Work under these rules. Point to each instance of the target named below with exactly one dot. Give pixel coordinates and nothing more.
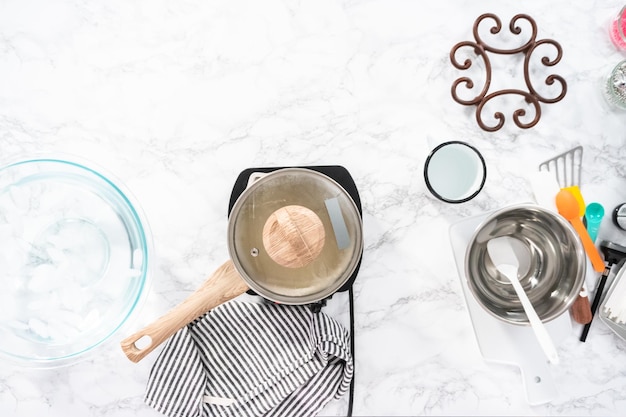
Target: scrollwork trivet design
(531, 95)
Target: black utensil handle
(596, 302)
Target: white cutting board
(507, 343)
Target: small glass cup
(455, 172)
(615, 87)
(617, 30)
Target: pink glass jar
(617, 30)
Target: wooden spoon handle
(223, 285)
(581, 309)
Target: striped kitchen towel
(252, 359)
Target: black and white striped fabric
(251, 359)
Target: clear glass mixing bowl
(74, 260)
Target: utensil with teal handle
(593, 217)
(581, 309)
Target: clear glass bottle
(615, 87)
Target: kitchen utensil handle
(580, 309)
(590, 248)
(537, 325)
(596, 303)
(223, 285)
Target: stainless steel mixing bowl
(553, 276)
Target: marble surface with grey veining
(175, 99)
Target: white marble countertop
(177, 98)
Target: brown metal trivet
(531, 96)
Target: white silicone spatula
(501, 252)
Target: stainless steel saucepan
(294, 237)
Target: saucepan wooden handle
(223, 285)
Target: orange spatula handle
(590, 248)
